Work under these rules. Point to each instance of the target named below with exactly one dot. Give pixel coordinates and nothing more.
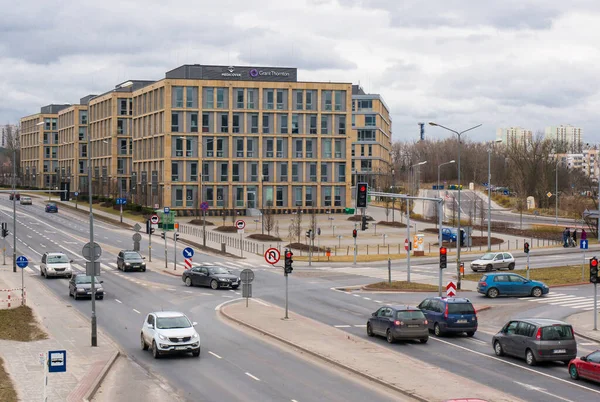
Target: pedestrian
(583, 234)
(575, 237)
(566, 237)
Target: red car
(587, 367)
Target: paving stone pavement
(67, 330)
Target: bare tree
(268, 217)
(277, 228)
(224, 213)
(233, 214)
(387, 205)
(296, 225)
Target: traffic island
(567, 275)
(401, 286)
(410, 378)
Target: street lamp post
(489, 214)
(458, 232)
(438, 181)
(93, 256)
(556, 196)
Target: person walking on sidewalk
(575, 237)
(566, 237)
(583, 234)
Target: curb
(484, 308)
(589, 338)
(569, 284)
(171, 273)
(98, 381)
(403, 290)
(326, 359)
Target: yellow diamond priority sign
(549, 194)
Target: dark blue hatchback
(450, 315)
(51, 207)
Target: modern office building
(244, 138)
(39, 147)
(568, 138)
(512, 136)
(372, 140)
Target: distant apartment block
(568, 138)
(514, 135)
(586, 161)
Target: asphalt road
(233, 366)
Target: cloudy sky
(525, 63)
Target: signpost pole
(528, 267)
(204, 227)
(595, 307)
(174, 250)
(409, 242)
(45, 366)
(121, 203)
(22, 287)
(241, 243)
(355, 247)
(286, 297)
(166, 234)
(583, 267)
(389, 270)
(150, 245)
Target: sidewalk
(408, 376)
(67, 330)
(583, 324)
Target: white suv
(169, 332)
(56, 264)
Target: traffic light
(526, 248)
(163, 235)
(149, 228)
(4, 229)
(175, 236)
(443, 257)
(364, 225)
(594, 270)
(309, 233)
(288, 262)
(462, 238)
(361, 195)
(354, 233)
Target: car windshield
(557, 333)
(132, 256)
(57, 259)
(410, 314)
(218, 270)
(460, 308)
(51, 204)
(83, 279)
(488, 256)
(173, 322)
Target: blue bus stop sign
(22, 261)
(57, 361)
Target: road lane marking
(218, 307)
(29, 236)
(215, 355)
(118, 301)
(137, 311)
(253, 377)
(342, 326)
(356, 295)
(227, 296)
(43, 245)
(360, 326)
(515, 365)
(366, 298)
(188, 291)
(588, 344)
(542, 390)
(377, 301)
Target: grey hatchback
(398, 322)
(536, 340)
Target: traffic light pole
(174, 250)
(440, 209)
(166, 260)
(583, 267)
(528, 267)
(595, 307)
(286, 296)
(355, 245)
(150, 244)
(409, 242)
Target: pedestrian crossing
(584, 303)
(379, 273)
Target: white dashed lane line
(137, 311)
(253, 377)
(118, 301)
(215, 355)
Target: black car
(80, 285)
(215, 277)
(399, 322)
(128, 260)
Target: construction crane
(422, 131)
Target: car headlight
(223, 279)
(238, 279)
(127, 263)
(195, 336)
(100, 289)
(80, 290)
(162, 337)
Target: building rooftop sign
(235, 73)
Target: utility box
(471, 186)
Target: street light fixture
(489, 217)
(458, 233)
(411, 168)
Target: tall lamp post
(438, 182)
(93, 256)
(458, 232)
(489, 214)
(556, 196)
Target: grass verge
(19, 324)
(402, 285)
(7, 389)
(97, 207)
(359, 258)
(551, 276)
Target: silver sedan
(494, 261)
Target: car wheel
(530, 357)
(41, 272)
(100, 298)
(389, 336)
(75, 295)
(143, 342)
(188, 282)
(144, 269)
(573, 372)
(155, 351)
(498, 349)
(488, 268)
(424, 340)
(437, 330)
(473, 269)
(470, 334)
(536, 292)
(196, 353)
(511, 266)
(492, 293)
(369, 330)
(214, 285)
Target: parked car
(25, 201)
(587, 367)
(493, 261)
(536, 340)
(56, 264)
(128, 260)
(16, 196)
(398, 322)
(450, 315)
(449, 235)
(169, 332)
(213, 276)
(80, 285)
(498, 284)
(51, 207)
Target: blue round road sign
(22, 261)
(204, 206)
(188, 252)
(76, 193)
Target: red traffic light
(594, 262)
(288, 254)
(443, 251)
(363, 188)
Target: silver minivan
(56, 264)
(536, 340)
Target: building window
(239, 98)
(309, 148)
(220, 153)
(342, 172)
(299, 100)
(224, 123)
(370, 120)
(309, 196)
(312, 128)
(370, 150)
(338, 148)
(366, 135)
(295, 177)
(312, 172)
(205, 172)
(297, 196)
(325, 124)
(123, 107)
(326, 196)
(279, 148)
(338, 197)
(251, 99)
(254, 172)
(120, 166)
(210, 98)
(220, 98)
(342, 124)
(191, 97)
(236, 123)
(120, 126)
(250, 148)
(235, 171)
(177, 96)
(266, 128)
(309, 100)
(269, 150)
(283, 172)
(299, 149)
(295, 128)
(174, 171)
(239, 147)
(327, 148)
(280, 99)
(224, 174)
(283, 123)
(268, 98)
(194, 122)
(353, 120)
(179, 147)
(174, 122)
(324, 175)
(254, 124)
(265, 172)
(338, 100)
(326, 100)
(209, 147)
(279, 197)
(205, 123)
(194, 171)
(365, 104)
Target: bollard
(378, 249)
(388, 249)
(367, 249)
(508, 245)
(389, 270)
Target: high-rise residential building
(587, 162)
(39, 147)
(512, 136)
(567, 138)
(244, 138)
(372, 140)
